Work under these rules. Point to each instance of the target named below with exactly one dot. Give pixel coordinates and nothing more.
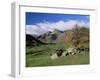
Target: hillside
(50, 37)
(32, 41)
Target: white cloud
(41, 28)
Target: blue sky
(40, 23)
(33, 18)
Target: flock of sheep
(69, 51)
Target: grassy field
(40, 56)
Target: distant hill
(32, 41)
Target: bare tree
(76, 36)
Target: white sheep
(64, 53)
(71, 51)
(54, 56)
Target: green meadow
(40, 56)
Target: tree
(76, 36)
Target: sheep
(54, 56)
(57, 54)
(65, 53)
(79, 50)
(62, 53)
(72, 51)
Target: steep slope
(32, 41)
(50, 37)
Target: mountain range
(57, 36)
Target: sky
(39, 23)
